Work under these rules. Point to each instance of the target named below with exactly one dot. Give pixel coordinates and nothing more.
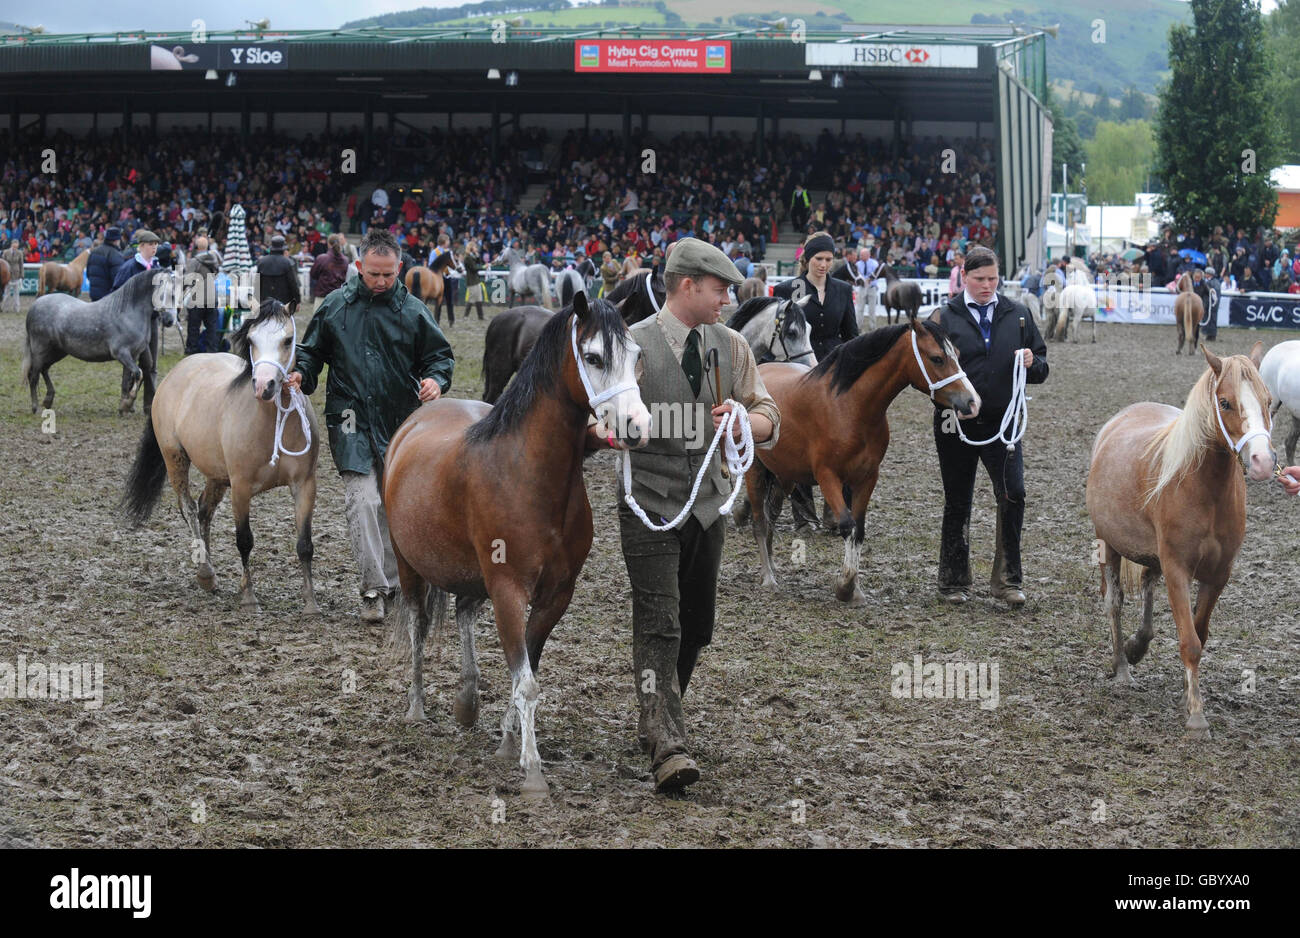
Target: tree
(1284, 46)
(1066, 146)
(1119, 160)
(1217, 137)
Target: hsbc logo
(916, 56)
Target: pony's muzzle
(1260, 464)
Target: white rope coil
(739, 458)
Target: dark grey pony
(510, 336)
(118, 327)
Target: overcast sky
(94, 16)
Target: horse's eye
(595, 361)
(1223, 403)
(937, 359)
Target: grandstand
(486, 123)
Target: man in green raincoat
(386, 356)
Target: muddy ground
(223, 730)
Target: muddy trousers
(674, 576)
(368, 531)
(958, 464)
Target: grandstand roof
(409, 70)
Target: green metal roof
(383, 34)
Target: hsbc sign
(890, 55)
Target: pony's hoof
(1198, 727)
(1123, 679)
(769, 583)
(310, 608)
(465, 710)
(414, 713)
(207, 580)
(250, 606)
(509, 748)
(850, 595)
(534, 785)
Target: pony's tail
(398, 643)
(1130, 576)
(144, 483)
(27, 358)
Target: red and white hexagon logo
(917, 56)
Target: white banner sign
(890, 55)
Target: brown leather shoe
(955, 597)
(676, 773)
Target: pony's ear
(804, 300)
(1214, 361)
(1257, 353)
(292, 307)
(580, 308)
(936, 317)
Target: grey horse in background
(118, 327)
(568, 284)
(527, 279)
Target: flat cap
(145, 236)
(692, 257)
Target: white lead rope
(739, 457)
(297, 402)
(1015, 417)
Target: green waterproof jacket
(379, 347)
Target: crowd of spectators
(177, 185)
(631, 198)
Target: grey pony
(117, 327)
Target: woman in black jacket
(832, 321)
(830, 313)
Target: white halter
(650, 292)
(740, 457)
(1246, 438)
(296, 402)
(594, 399)
(1015, 418)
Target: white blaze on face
(625, 414)
(951, 352)
(1258, 453)
(270, 341)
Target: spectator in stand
(957, 277)
(1248, 283)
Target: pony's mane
(539, 372)
(757, 304)
(1181, 446)
(848, 362)
(440, 262)
(271, 308)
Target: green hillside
(1133, 53)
